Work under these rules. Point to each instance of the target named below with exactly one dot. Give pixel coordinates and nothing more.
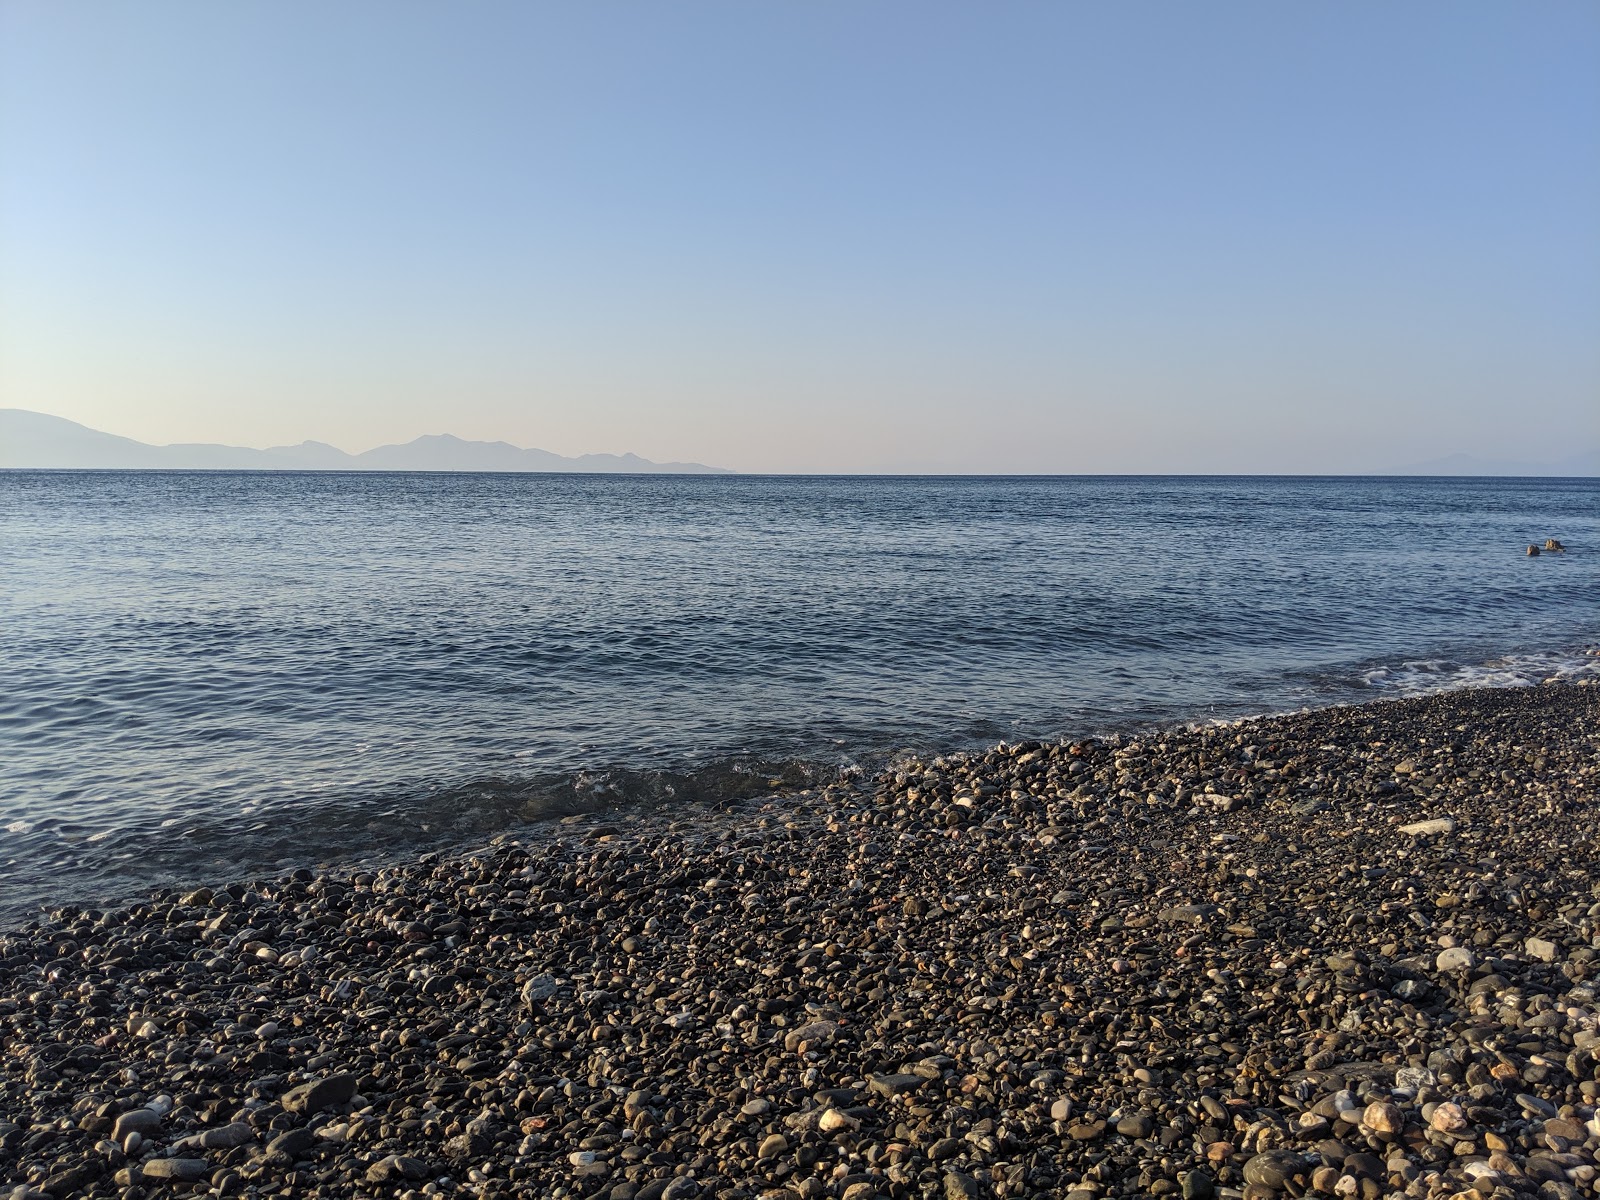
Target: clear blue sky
(812, 236)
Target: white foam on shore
(1426, 677)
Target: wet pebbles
(1348, 953)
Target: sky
(820, 236)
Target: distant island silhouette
(34, 440)
(38, 441)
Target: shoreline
(545, 805)
(1172, 963)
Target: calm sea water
(204, 675)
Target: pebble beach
(1347, 953)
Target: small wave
(361, 682)
(360, 822)
(1423, 677)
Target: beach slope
(1347, 953)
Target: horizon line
(726, 473)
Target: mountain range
(38, 440)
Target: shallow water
(209, 674)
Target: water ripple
(213, 674)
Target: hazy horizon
(30, 440)
(883, 238)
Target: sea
(208, 676)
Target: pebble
(225, 1137)
(142, 1121)
(1188, 914)
(1273, 1168)
(1383, 1117)
(292, 1143)
(833, 1120)
(1456, 958)
(1535, 1105)
(394, 1168)
(186, 1169)
(1448, 1118)
(895, 1085)
(1542, 949)
(1136, 1127)
(1190, 962)
(320, 1094)
(1434, 825)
